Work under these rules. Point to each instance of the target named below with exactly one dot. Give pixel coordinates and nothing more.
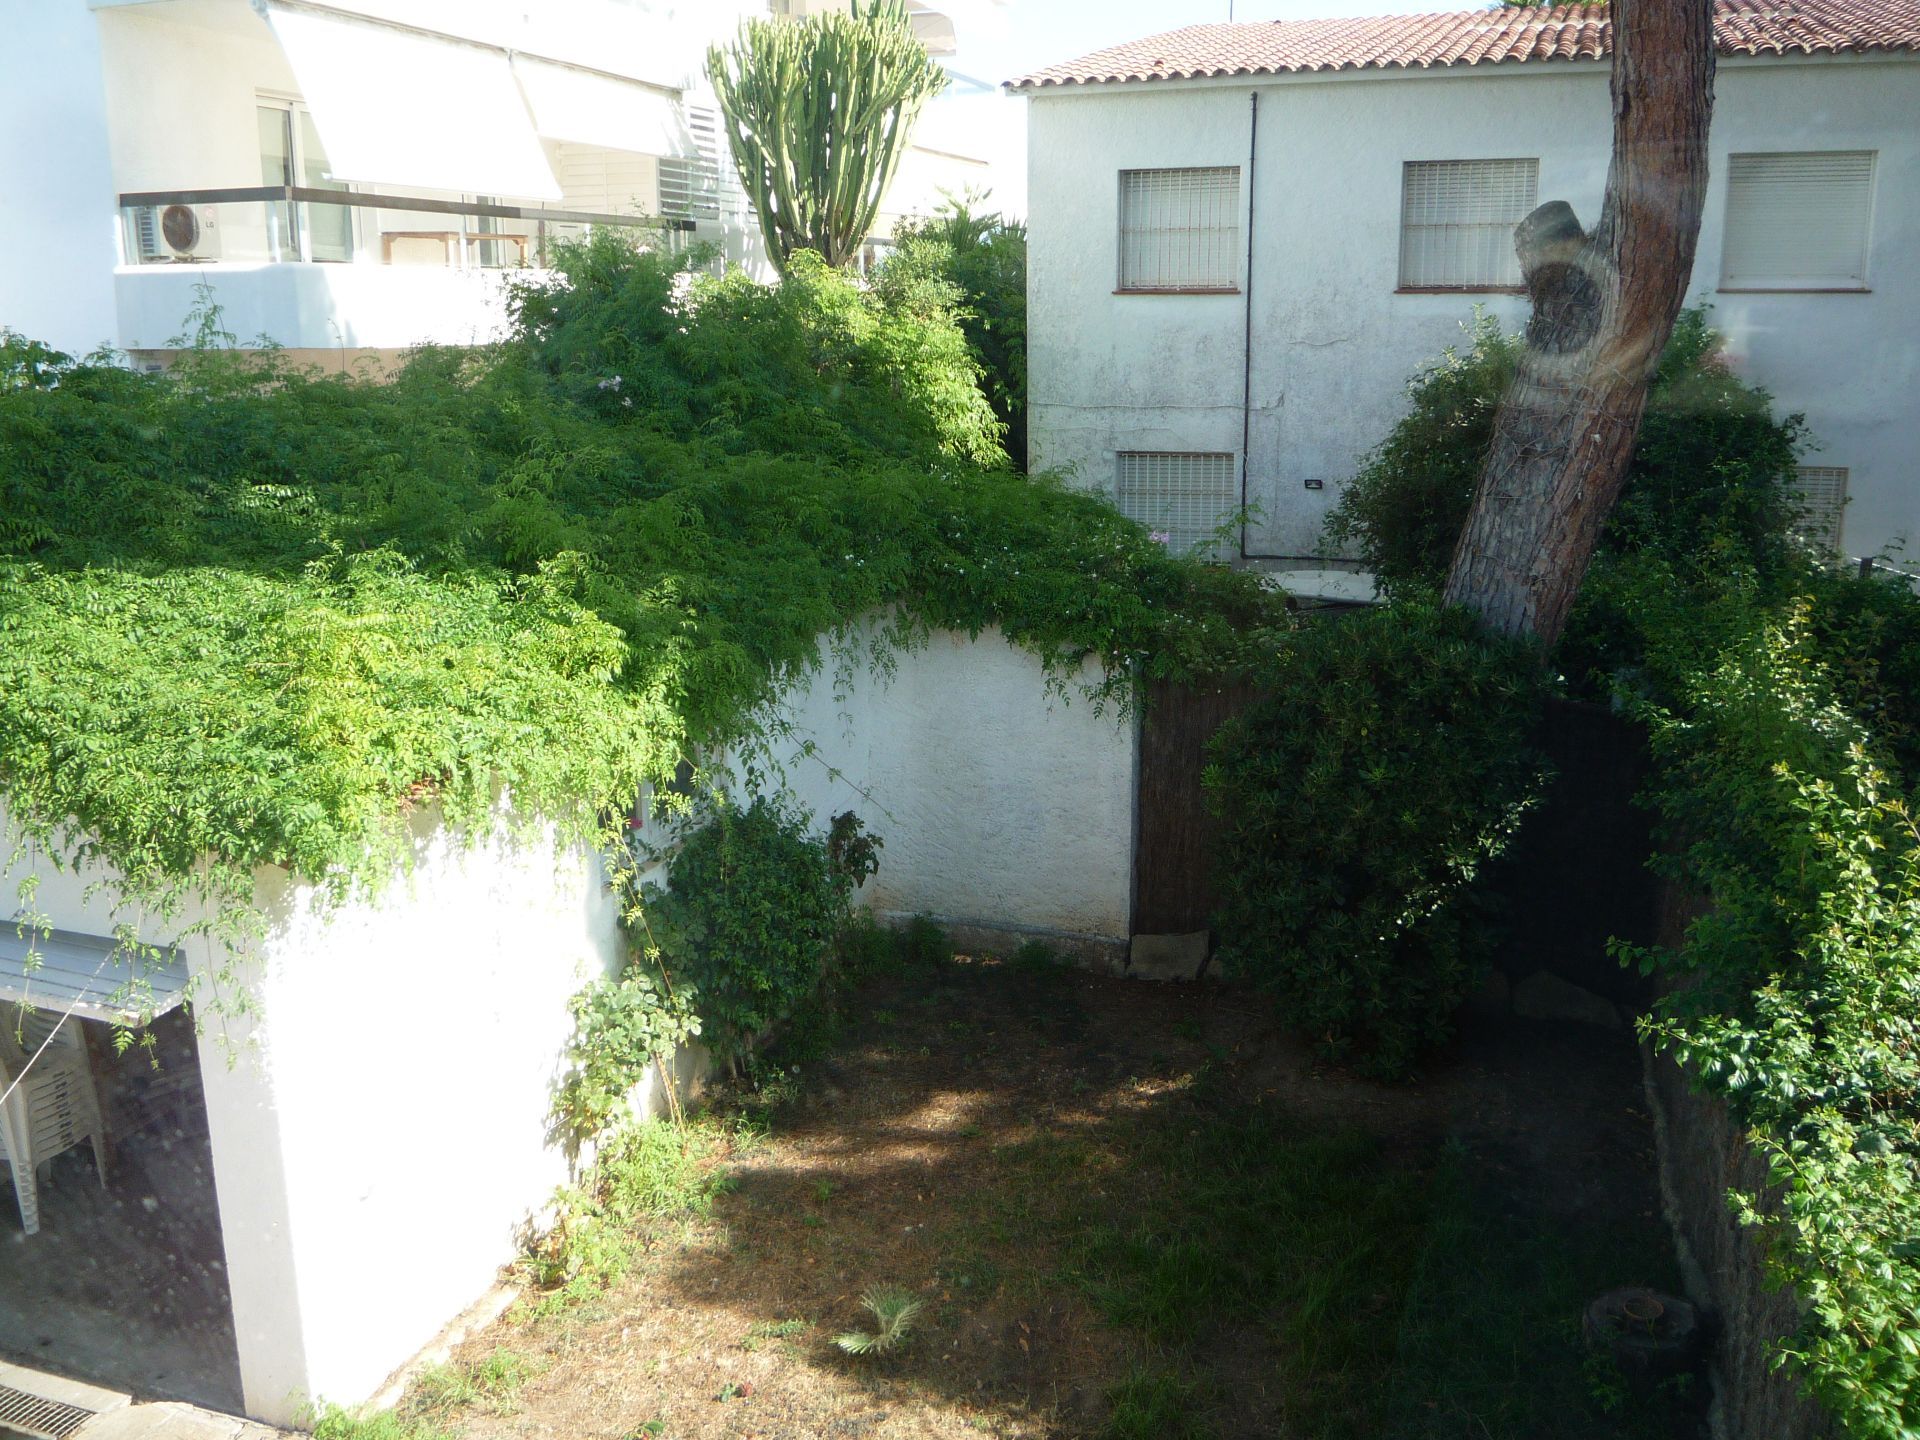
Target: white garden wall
(1004, 807)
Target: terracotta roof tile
(1476, 37)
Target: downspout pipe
(1246, 325)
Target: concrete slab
(170, 1420)
(61, 1390)
(1167, 957)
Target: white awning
(594, 109)
(397, 107)
(91, 975)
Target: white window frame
(1489, 239)
(1193, 259)
(1741, 272)
(1185, 528)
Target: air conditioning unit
(189, 232)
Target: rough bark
(1603, 307)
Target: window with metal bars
(1180, 229)
(1798, 222)
(1181, 496)
(1457, 219)
(1818, 495)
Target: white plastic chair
(53, 1109)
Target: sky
(999, 39)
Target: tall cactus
(818, 112)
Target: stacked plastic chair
(52, 1108)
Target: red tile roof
(1476, 37)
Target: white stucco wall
(379, 1120)
(58, 245)
(1001, 806)
(1333, 344)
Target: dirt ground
(973, 1127)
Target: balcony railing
(257, 223)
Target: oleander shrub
(750, 917)
(1356, 805)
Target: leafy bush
(1804, 1006)
(1707, 474)
(1357, 803)
(984, 257)
(749, 918)
(813, 365)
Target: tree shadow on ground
(1137, 1210)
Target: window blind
(690, 189)
(1819, 496)
(1799, 221)
(1457, 219)
(1184, 496)
(1180, 229)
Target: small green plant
(823, 1191)
(643, 1174)
(923, 944)
(621, 1028)
(894, 1310)
(764, 1330)
(1035, 957)
(333, 1422)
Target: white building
(1245, 238)
(356, 176)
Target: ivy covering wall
(250, 616)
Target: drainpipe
(1246, 352)
(1246, 326)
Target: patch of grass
(489, 1384)
(1398, 1300)
(1154, 1405)
(1488, 1341)
(331, 1422)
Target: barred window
(1180, 229)
(1819, 498)
(1184, 497)
(1798, 222)
(1457, 219)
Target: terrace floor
(125, 1286)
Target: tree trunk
(1603, 307)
